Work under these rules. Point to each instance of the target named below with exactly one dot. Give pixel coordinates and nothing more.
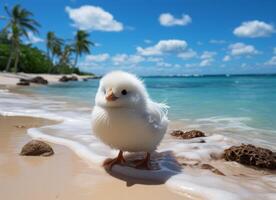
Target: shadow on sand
(164, 165)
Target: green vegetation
(15, 56)
(53, 43)
(19, 23)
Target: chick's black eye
(124, 92)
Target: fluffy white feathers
(124, 116)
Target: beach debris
(68, 78)
(197, 164)
(251, 155)
(37, 148)
(189, 163)
(36, 80)
(188, 134)
(212, 169)
(23, 82)
(20, 126)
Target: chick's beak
(110, 96)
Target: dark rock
(212, 169)
(63, 79)
(251, 155)
(68, 78)
(23, 82)
(188, 134)
(37, 148)
(39, 80)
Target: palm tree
(20, 22)
(50, 43)
(81, 44)
(65, 54)
(53, 44)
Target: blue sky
(165, 37)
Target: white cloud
(208, 54)
(92, 18)
(167, 19)
(163, 46)
(254, 29)
(207, 58)
(154, 59)
(124, 59)
(135, 59)
(33, 39)
(186, 55)
(271, 62)
(217, 41)
(119, 58)
(239, 48)
(226, 58)
(165, 64)
(97, 58)
(206, 62)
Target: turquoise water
(253, 97)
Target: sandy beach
(61, 176)
(11, 79)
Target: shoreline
(61, 176)
(11, 79)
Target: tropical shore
(61, 176)
(68, 175)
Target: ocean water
(231, 110)
(251, 97)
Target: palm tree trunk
(10, 57)
(53, 58)
(9, 62)
(48, 53)
(76, 60)
(16, 60)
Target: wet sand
(61, 176)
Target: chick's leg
(145, 163)
(118, 160)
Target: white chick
(125, 118)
